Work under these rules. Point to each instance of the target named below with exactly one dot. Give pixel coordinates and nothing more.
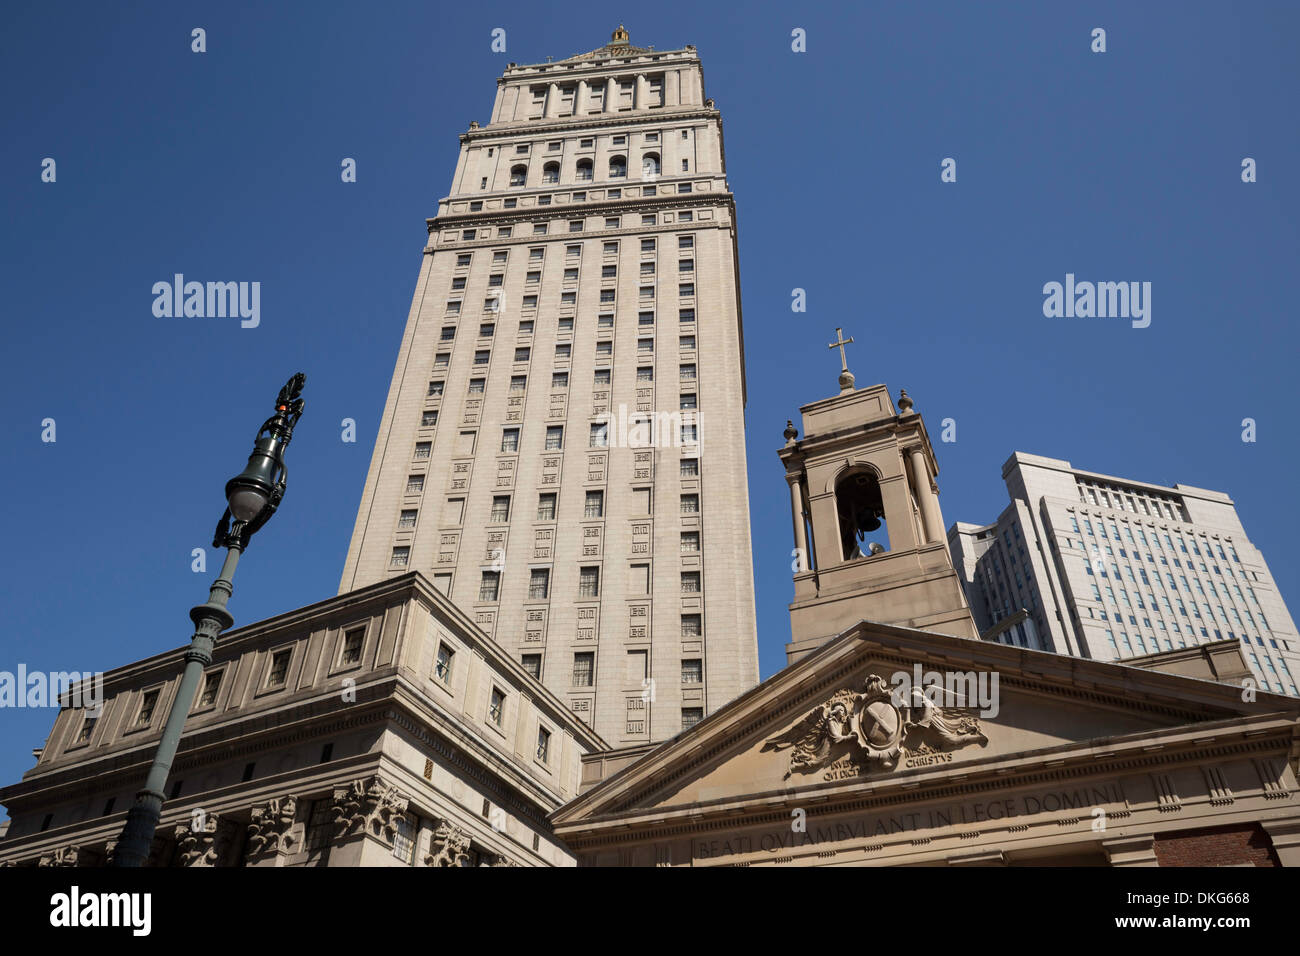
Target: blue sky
(225, 165)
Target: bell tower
(868, 532)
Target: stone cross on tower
(846, 377)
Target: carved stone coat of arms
(875, 729)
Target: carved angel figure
(811, 740)
(955, 727)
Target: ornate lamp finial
(904, 402)
(791, 433)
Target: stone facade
(892, 745)
(564, 429)
(1110, 568)
(340, 734)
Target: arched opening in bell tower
(861, 512)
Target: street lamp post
(252, 497)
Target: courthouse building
(543, 650)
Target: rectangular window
(690, 468)
(521, 355)
(496, 706)
(690, 582)
(546, 507)
(488, 585)
(554, 437)
(691, 626)
(595, 505)
(583, 666)
(422, 449)
(645, 373)
(687, 400)
(148, 704)
(533, 665)
(401, 557)
(637, 669)
(407, 519)
(648, 245)
(539, 583)
(441, 360)
(476, 386)
(602, 376)
(414, 484)
(447, 334)
(686, 373)
(610, 248)
(599, 435)
(685, 242)
(543, 745)
(639, 579)
(604, 348)
(559, 380)
(442, 666)
(692, 671)
(690, 504)
(518, 383)
(279, 672)
(575, 225)
(435, 389)
(690, 542)
(211, 684)
(510, 439)
(589, 582)
(486, 330)
(352, 643)
(563, 350)
(691, 716)
(500, 508)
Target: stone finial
(846, 381)
(473, 124)
(708, 104)
(904, 402)
(791, 433)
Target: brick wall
(1216, 846)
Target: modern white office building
(1111, 568)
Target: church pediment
(883, 707)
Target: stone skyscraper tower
(563, 448)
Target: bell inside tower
(861, 512)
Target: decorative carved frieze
(64, 856)
(200, 842)
(269, 826)
(368, 806)
(448, 847)
(873, 729)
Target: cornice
(600, 121)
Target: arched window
(584, 170)
(551, 173)
(649, 165)
(861, 512)
(617, 167)
(518, 175)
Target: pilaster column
(932, 523)
(672, 90)
(800, 537)
(611, 95)
(552, 101)
(639, 92)
(580, 99)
